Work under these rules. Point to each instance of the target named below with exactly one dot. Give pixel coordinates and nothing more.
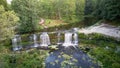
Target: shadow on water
(70, 57)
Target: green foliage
(96, 39)
(102, 48)
(88, 7)
(106, 56)
(4, 3)
(88, 10)
(80, 4)
(56, 9)
(31, 59)
(107, 9)
(8, 21)
(27, 10)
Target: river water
(105, 29)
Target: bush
(31, 59)
(102, 48)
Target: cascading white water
(16, 43)
(68, 39)
(59, 38)
(75, 37)
(35, 40)
(45, 40)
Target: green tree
(27, 11)
(80, 4)
(46, 9)
(56, 9)
(88, 7)
(108, 9)
(69, 13)
(88, 10)
(4, 3)
(8, 21)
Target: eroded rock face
(70, 57)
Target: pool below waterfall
(70, 57)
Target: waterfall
(59, 38)
(68, 39)
(16, 43)
(44, 38)
(35, 40)
(75, 37)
